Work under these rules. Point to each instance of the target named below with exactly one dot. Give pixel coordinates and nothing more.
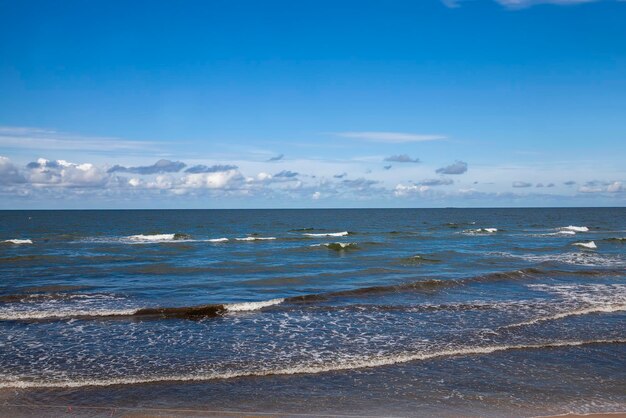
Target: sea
(356, 312)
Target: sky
(298, 104)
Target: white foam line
(576, 312)
(592, 245)
(255, 238)
(368, 362)
(217, 240)
(575, 228)
(18, 241)
(251, 306)
(329, 234)
(15, 316)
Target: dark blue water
(383, 312)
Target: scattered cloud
(388, 167)
(459, 167)
(615, 187)
(436, 182)
(62, 179)
(569, 183)
(601, 187)
(212, 169)
(286, 174)
(9, 173)
(161, 166)
(521, 184)
(65, 174)
(277, 158)
(402, 190)
(360, 183)
(402, 158)
(390, 137)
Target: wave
(481, 231)
(251, 306)
(341, 246)
(591, 245)
(150, 238)
(328, 234)
(216, 310)
(17, 241)
(418, 259)
(573, 228)
(254, 238)
(183, 312)
(578, 258)
(615, 239)
(352, 363)
(575, 312)
(218, 240)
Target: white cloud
(9, 173)
(615, 187)
(217, 180)
(66, 174)
(401, 190)
(391, 137)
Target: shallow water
(383, 312)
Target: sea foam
(18, 241)
(591, 245)
(575, 228)
(251, 306)
(352, 363)
(328, 234)
(255, 238)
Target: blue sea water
(376, 312)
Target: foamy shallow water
(224, 308)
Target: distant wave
(255, 238)
(591, 245)
(578, 258)
(338, 246)
(621, 240)
(158, 237)
(481, 231)
(418, 259)
(218, 240)
(352, 363)
(328, 234)
(573, 228)
(17, 241)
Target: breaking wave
(17, 241)
(351, 363)
(254, 238)
(480, 231)
(573, 228)
(328, 234)
(591, 245)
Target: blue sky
(312, 104)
